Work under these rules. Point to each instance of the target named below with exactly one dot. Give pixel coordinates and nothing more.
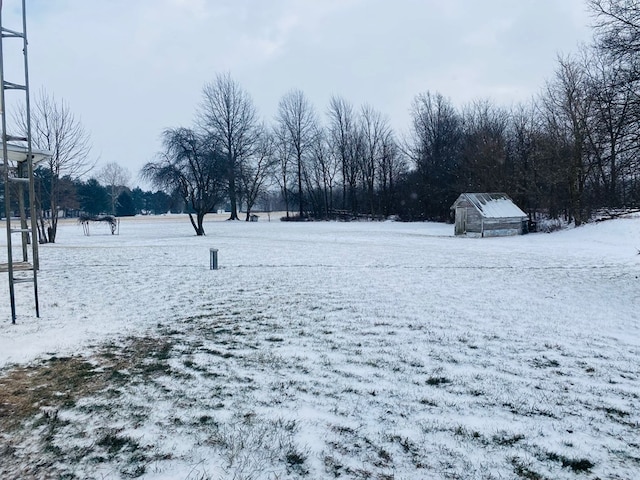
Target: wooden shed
(488, 215)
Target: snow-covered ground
(323, 350)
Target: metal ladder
(18, 174)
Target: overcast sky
(131, 68)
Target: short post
(213, 258)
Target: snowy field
(324, 350)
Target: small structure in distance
(488, 215)
(113, 222)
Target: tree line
(104, 193)
(570, 150)
(96, 197)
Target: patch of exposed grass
(140, 358)
(295, 461)
(615, 412)
(217, 353)
(472, 435)
(545, 362)
(32, 396)
(114, 442)
(55, 383)
(250, 442)
(435, 381)
(274, 339)
(523, 470)
(505, 439)
(333, 466)
(578, 465)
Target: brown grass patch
(56, 382)
(60, 382)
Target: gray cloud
(132, 68)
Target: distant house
(488, 215)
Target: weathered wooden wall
(473, 220)
(498, 227)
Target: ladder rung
(13, 138)
(19, 179)
(23, 279)
(17, 267)
(11, 33)
(13, 86)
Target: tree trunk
(197, 224)
(300, 191)
(53, 221)
(233, 200)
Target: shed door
(461, 220)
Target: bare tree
(258, 169)
(228, 114)
(115, 178)
(523, 146)
(374, 130)
(284, 168)
(566, 106)
(323, 170)
(297, 121)
(484, 148)
(343, 133)
(617, 24)
(191, 166)
(391, 166)
(612, 129)
(618, 27)
(56, 129)
(434, 146)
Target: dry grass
(54, 383)
(59, 382)
(31, 397)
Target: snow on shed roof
(18, 153)
(492, 205)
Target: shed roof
(492, 205)
(18, 153)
